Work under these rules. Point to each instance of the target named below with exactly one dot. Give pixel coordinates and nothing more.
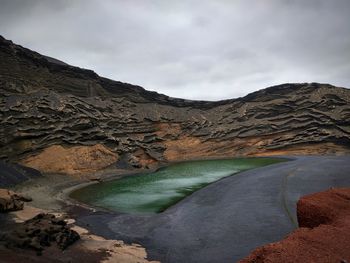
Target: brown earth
(76, 160)
(187, 148)
(323, 235)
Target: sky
(194, 49)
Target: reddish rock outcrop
(323, 236)
(324, 208)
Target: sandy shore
(104, 250)
(50, 195)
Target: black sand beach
(224, 221)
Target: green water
(154, 192)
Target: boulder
(11, 201)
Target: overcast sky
(190, 49)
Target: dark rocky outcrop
(45, 103)
(323, 236)
(41, 231)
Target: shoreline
(261, 218)
(138, 229)
(56, 189)
(66, 192)
(58, 193)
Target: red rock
(324, 207)
(323, 236)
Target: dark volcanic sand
(224, 221)
(12, 174)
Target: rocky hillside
(46, 103)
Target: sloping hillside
(45, 103)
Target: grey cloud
(191, 49)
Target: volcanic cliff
(48, 107)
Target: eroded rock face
(39, 232)
(75, 160)
(11, 201)
(323, 236)
(44, 103)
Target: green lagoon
(156, 191)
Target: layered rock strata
(45, 103)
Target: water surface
(154, 192)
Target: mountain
(50, 109)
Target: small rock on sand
(10, 201)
